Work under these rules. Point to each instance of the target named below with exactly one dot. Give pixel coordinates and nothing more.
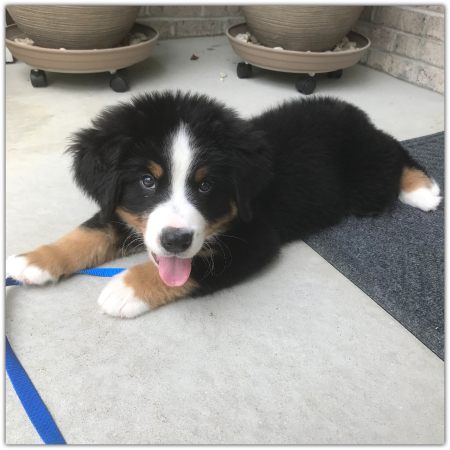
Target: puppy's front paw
(119, 300)
(20, 269)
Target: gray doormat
(397, 259)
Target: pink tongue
(174, 271)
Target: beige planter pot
(294, 61)
(75, 27)
(111, 60)
(81, 61)
(301, 28)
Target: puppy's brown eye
(148, 182)
(205, 186)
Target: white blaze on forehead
(177, 211)
(180, 161)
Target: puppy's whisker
(227, 259)
(231, 236)
(133, 246)
(135, 239)
(210, 259)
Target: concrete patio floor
(297, 355)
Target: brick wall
(193, 20)
(407, 42)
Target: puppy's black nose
(176, 240)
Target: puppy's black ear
(252, 170)
(96, 157)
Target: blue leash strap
(31, 401)
(12, 282)
(95, 272)
(101, 271)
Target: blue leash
(31, 401)
(95, 272)
(101, 271)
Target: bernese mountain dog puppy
(211, 197)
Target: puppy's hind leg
(88, 245)
(418, 189)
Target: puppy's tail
(416, 187)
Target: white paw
(18, 268)
(425, 198)
(119, 300)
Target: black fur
(329, 161)
(292, 170)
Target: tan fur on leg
(144, 279)
(419, 190)
(81, 248)
(413, 179)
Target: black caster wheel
(335, 74)
(118, 82)
(244, 70)
(306, 85)
(38, 78)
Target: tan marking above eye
(155, 169)
(200, 174)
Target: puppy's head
(177, 168)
